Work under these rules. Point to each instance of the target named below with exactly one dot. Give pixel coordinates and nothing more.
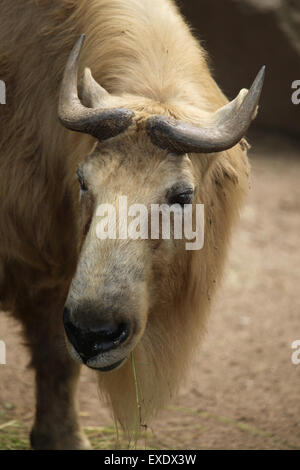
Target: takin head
(122, 283)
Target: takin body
(118, 296)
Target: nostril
(70, 327)
(115, 335)
(89, 342)
(110, 337)
(72, 331)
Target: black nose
(89, 342)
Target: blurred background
(243, 392)
(243, 35)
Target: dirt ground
(244, 391)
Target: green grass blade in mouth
(138, 404)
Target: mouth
(93, 363)
(108, 368)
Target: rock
(240, 37)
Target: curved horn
(229, 125)
(100, 122)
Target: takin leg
(56, 422)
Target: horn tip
(262, 71)
(259, 80)
(80, 41)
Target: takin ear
(91, 93)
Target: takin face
(118, 278)
(120, 282)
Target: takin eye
(181, 197)
(81, 180)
